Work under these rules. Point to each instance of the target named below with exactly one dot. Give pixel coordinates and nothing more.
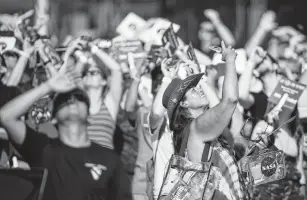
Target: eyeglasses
(92, 73)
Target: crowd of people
(214, 123)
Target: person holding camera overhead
(102, 81)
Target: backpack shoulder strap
(205, 155)
(184, 143)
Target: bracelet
(166, 80)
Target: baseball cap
(60, 100)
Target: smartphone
(7, 40)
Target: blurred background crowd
(125, 71)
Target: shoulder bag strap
(183, 146)
(206, 151)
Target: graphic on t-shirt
(96, 170)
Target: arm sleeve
(120, 188)
(33, 146)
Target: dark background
(241, 16)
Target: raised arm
(222, 30)
(216, 119)
(132, 95)
(245, 97)
(20, 67)
(157, 112)
(114, 95)
(41, 16)
(266, 25)
(11, 113)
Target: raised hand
(228, 53)
(267, 21)
(258, 55)
(169, 72)
(212, 15)
(27, 46)
(12, 21)
(72, 47)
(65, 80)
(286, 31)
(264, 141)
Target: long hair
(182, 119)
(105, 73)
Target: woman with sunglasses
(102, 81)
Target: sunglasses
(91, 73)
(70, 99)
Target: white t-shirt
(164, 149)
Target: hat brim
(179, 93)
(61, 99)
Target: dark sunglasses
(69, 99)
(91, 73)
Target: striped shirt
(101, 128)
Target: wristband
(166, 80)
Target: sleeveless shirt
(101, 127)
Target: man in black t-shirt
(77, 168)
